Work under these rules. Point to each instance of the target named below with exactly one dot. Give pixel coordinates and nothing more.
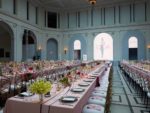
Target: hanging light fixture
(92, 2)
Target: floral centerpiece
(65, 81)
(40, 87)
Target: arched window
(133, 48)
(133, 42)
(77, 50)
(28, 45)
(6, 42)
(77, 45)
(103, 47)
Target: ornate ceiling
(67, 4)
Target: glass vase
(41, 97)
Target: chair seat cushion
(93, 108)
(99, 93)
(97, 100)
(104, 85)
(101, 89)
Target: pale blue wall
(107, 15)
(119, 20)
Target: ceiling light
(92, 2)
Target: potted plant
(40, 87)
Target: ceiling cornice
(62, 7)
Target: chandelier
(92, 2)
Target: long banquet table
(52, 104)
(136, 70)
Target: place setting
(83, 84)
(90, 77)
(25, 94)
(77, 90)
(88, 80)
(68, 100)
(47, 94)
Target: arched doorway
(141, 53)
(103, 47)
(83, 49)
(133, 48)
(77, 50)
(6, 42)
(28, 45)
(52, 49)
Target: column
(89, 17)
(26, 43)
(117, 14)
(18, 44)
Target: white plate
(77, 90)
(88, 80)
(25, 94)
(69, 99)
(83, 84)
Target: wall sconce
(65, 50)
(39, 48)
(148, 46)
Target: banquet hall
(74, 56)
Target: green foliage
(40, 87)
(65, 81)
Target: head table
(53, 104)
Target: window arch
(77, 50)
(133, 48)
(133, 42)
(7, 42)
(77, 45)
(103, 47)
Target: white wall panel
(139, 10)
(22, 8)
(148, 10)
(83, 19)
(124, 14)
(63, 20)
(72, 20)
(7, 5)
(41, 17)
(97, 17)
(109, 16)
(32, 13)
